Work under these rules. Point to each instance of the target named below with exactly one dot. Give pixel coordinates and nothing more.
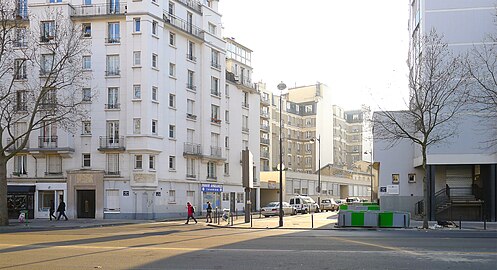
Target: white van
(304, 204)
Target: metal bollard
(312, 221)
(460, 223)
(485, 223)
(231, 215)
(251, 220)
(236, 214)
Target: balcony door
(48, 136)
(113, 133)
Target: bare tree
(438, 93)
(482, 66)
(41, 80)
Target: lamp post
(318, 189)
(370, 171)
(281, 87)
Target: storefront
(211, 193)
(47, 192)
(20, 198)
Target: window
(172, 39)
(137, 25)
(191, 51)
(45, 199)
(46, 63)
(172, 70)
(215, 86)
(190, 106)
(136, 125)
(245, 123)
(155, 25)
(138, 162)
(190, 168)
(154, 127)
(112, 65)
(172, 163)
(137, 91)
(154, 93)
(226, 169)
(227, 116)
(215, 59)
(227, 142)
(171, 8)
(245, 99)
(47, 31)
(54, 165)
(86, 160)
(113, 34)
(226, 196)
(86, 128)
(172, 131)
(137, 58)
(86, 62)
(86, 2)
(112, 164)
(239, 197)
(49, 99)
(20, 69)
(227, 90)
(112, 98)
(87, 94)
(190, 80)
(20, 165)
(172, 196)
(154, 60)
(211, 170)
(215, 117)
(212, 28)
(112, 200)
(86, 29)
(151, 162)
(20, 37)
(172, 100)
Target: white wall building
(158, 133)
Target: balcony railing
(264, 114)
(112, 143)
(112, 106)
(183, 25)
(191, 86)
(216, 151)
(112, 173)
(191, 57)
(113, 40)
(195, 5)
(100, 9)
(116, 72)
(245, 129)
(215, 65)
(46, 38)
(215, 92)
(47, 141)
(264, 154)
(265, 128)
(192, 149)
(265, 141)
(190, 175)
(215, 120)
(191, 116)
(265, 101)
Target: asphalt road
(173, 245)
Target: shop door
(86, 203)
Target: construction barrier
(351, 218)
(394, 219)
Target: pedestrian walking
(52, 210)
(191, 211)
(62, 210)
(209, 213)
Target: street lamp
(318, 189)
(370, 171)
(281, 87)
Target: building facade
(159, 132)
(461, 171)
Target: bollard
(460, 223)
(485, 223)
(218, 218)
(251, 220)
(312, 221)
(236, 214)
(231, 215)
(260, 215)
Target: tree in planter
(438, 85)
(41, 81)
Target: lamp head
(281, 86)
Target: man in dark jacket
(52, 210)
(62, 210)
(209, 213)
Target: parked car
(273, 208)
(304, 204)
(329, 205)
(353, 199)
(340, 201)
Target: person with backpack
(191, 211)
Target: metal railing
(112, 142)
(265, 128)
(265, 154)
(192, 148)
(15, 145)
(264, 114)
(116, 72)
(190, 175)
(100, 9)
(191, 116)
(191, 57)
(113, 40)
(216, 151)
(215, 92)
(264, 141)
(191, 86)
(215, 65)
(47, 141)
(112, 106)
(183, 25)
(195, 5)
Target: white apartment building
(165, 125)
(461, 171)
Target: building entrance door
(86, 203)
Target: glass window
(137, 58)
(172, 196)
(113, 34)
(87, 62)
(172, 70)
(86, 160)
(112, 200)
(138, 162)
(154, 60)
(112, 164)
(137, 25)
(86, 128)
(136, 125)
(137, 93)
(172, 162)
(86, 94)
(154, 27)
(154, 93)
(154, 127)
(45, 198)
(172, 39)
(86, 29)
(172, 131)
(20, 165)
(151, 162)
(172, 100)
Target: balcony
(192, 149)
(215, 121)
(48, 142)
(190, 86)
(265, 128)
(245, 129)
(183, 25)
(112, 106)
(216, 152)
(191, 57)
(264, 114)
(99, 9)
(112, 143)
(215, 64)
(191, 116)
(116, 72)
(265, 154)
(264, 141)
(265, 101)
(113, 40)
(215, 92)
(194, 5)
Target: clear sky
(356, 47)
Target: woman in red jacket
(191, 211)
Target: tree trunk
(4, 213)
(425, 190)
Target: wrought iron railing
(112, 142)
(47, 141)
(100, 9)
(192, 148)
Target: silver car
(273, 208)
